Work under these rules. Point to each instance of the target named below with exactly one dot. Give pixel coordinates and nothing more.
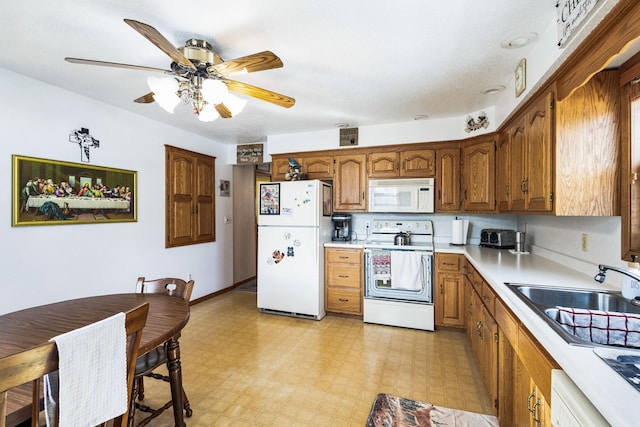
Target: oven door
(399, 274)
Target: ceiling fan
(200, 77)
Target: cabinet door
(518, 161)
(503, 175)
(180, 198)
(539, 135)
(418, 163)
(279, 167)
(449, 303)
(448, 179)
(489, 358)
(384, 165)
(190, 204)
(478, 178)
(204, 197)
(317, 167)
(350, 183)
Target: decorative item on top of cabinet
(350, 183)
(343, 280)
(448, 295)
(478, 174)
(448, 179)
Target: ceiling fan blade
(263, 94)
(145, 99)
(117, 65)
(224, 112)
(248, 64)
(160, 41)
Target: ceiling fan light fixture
(208, 114)
(165, 92)
(234, 104)
(214, 91)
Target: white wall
(43, 264)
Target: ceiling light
(214, 91)
(165, 92)
(208, 114)
(234, 104)
(202, 93)
(519, 41)
(493, 89)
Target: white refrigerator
(294, 222)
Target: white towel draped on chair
(90, 386)
(406, 270)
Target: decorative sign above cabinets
(250, 153)
(570, 14)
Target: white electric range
(399, 278)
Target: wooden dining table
(31, 327)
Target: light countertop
(611, 394)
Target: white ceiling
(361, 62)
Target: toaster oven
(498, 238)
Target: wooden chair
(157, 357)
(31, 365)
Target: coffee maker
(341, 227)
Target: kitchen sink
(544, 300)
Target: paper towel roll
(459, 228)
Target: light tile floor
(245, 368)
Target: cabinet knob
(343, 276)
(343, 300)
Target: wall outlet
(585, 242)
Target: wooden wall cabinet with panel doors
(478, 174)
(343, 280)
(448, 293)
(560, 157)
(190, 192)
(402, 163)
(384, 164)
(448, 179)
(350, 183)
(315, 166)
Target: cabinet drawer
(344, 301)
(346, 256)
(449, 262)
(488, 297)
(343, 275)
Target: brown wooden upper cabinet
(561, 157)
(448, 179)
(409, 163)
(190, 204)
(350, 183)
(478, 174)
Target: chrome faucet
(602, 273)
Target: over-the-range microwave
(410, 195)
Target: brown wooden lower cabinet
(515, 368)
(343, 280)
(448, 295)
